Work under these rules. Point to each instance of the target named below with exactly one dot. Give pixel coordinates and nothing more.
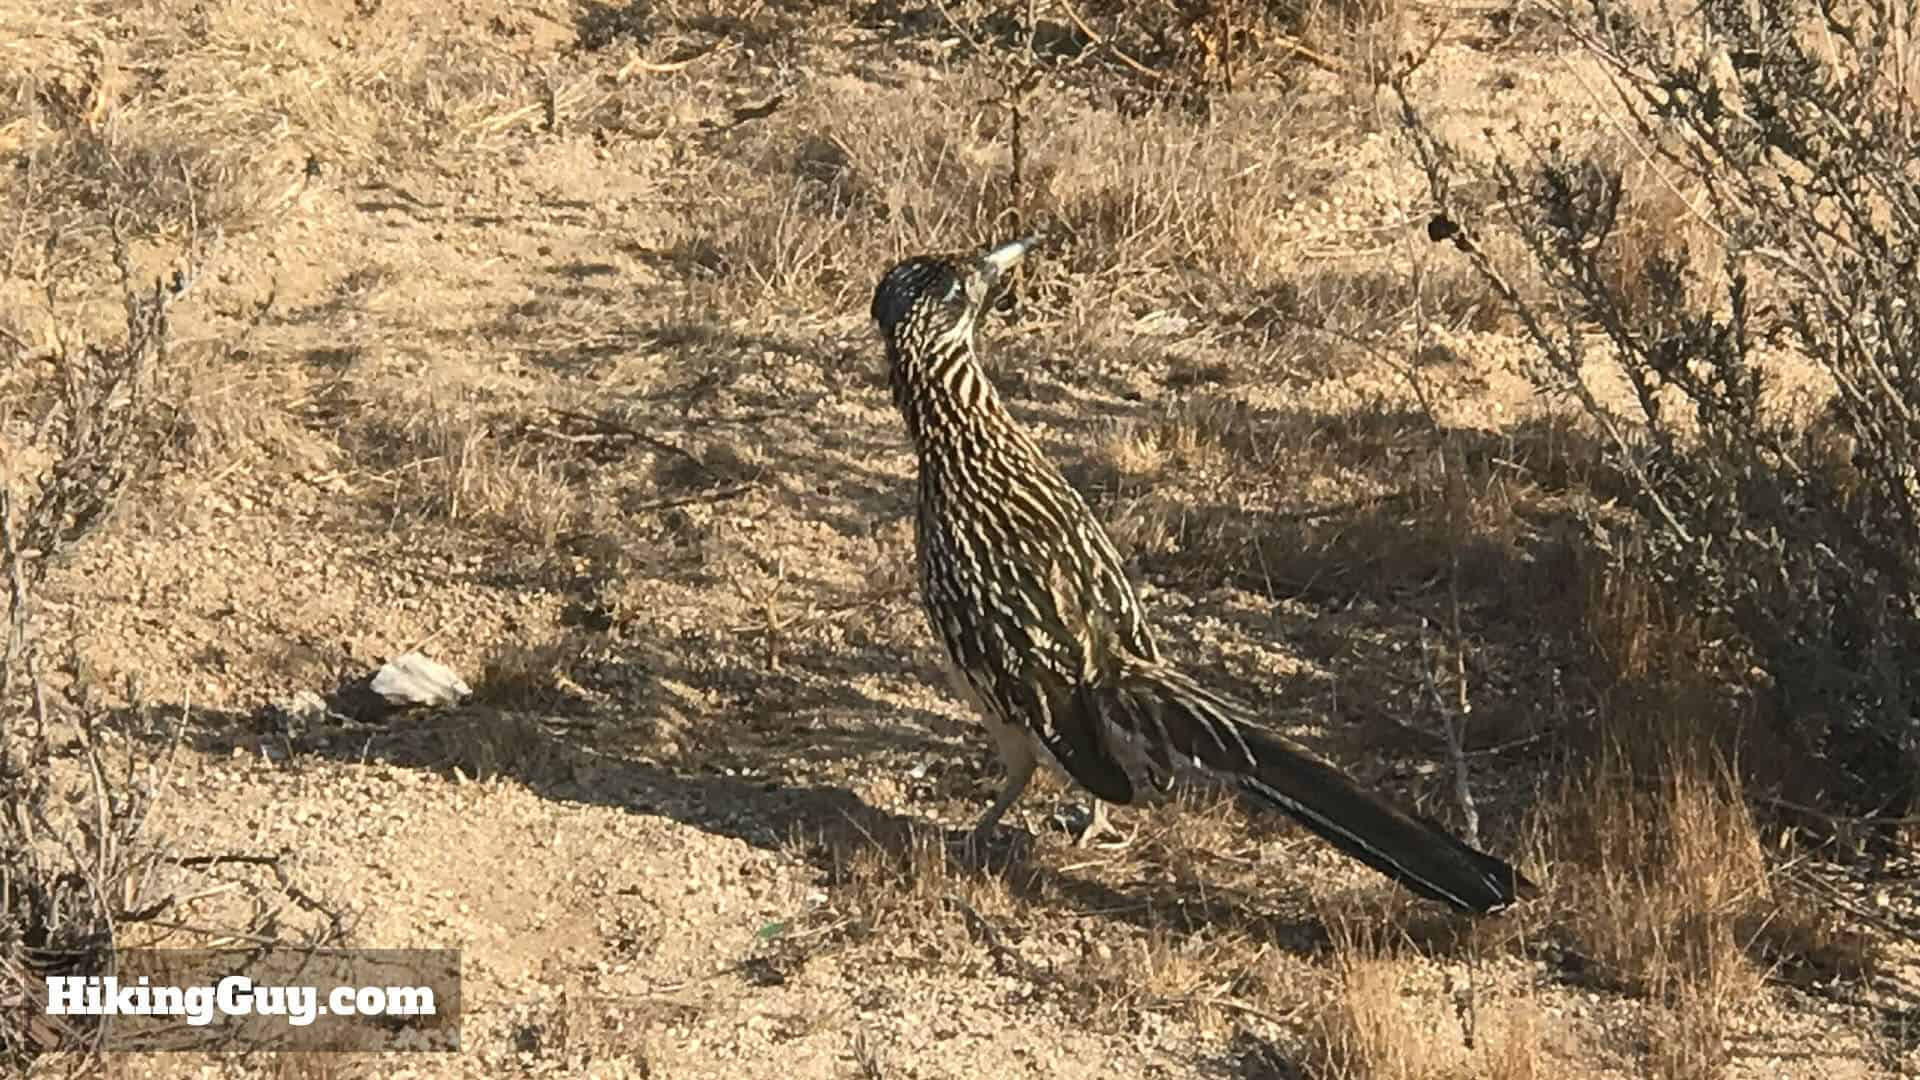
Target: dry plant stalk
(1794, 155)
(75, 865)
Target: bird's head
(930, 302)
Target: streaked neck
(944, 393)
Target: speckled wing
(1098, 597)
(1028, 626)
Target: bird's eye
(953, 291)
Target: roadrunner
(1043, 631)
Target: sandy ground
(517, 403)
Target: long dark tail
(1181, 723)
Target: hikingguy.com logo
(268, 999)
(235, 995)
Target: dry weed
(487, 743)
(223, 409)
(1208, 978)
(255, 104)
(906, 880)
(1389, 1015)
(1120, 200)
(1376, 1023)
(520, 674)
(1658, 231)
(440, 459)
(1371, 1026)
(1674, 877)
(586, 1031)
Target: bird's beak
(995, 264)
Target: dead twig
(194, 862)
(1847, 903)
(1454, 719)
(867, 1056)
(1100, 40)
(1314, 56)
(744, 113)
(604, 428)
(1842, 819)
(716, 495)
(635, 65)
(1231, 1005)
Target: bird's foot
(1108, 838)
(1098, 832)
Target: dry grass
(252, 103)
(1369, 511)
(1130, 194)
(225, 404)
(533, 674)
(1375, 1023)
(1665, 884)
(1665, 888)
(1213, 980)
(1659, 230)
(1375, 499)
(485, 743)
(254, 112)
(910, 880)
(900, 886)
(1127, 204)
(441, 459)
(583, 1030)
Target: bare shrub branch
(1791, 132)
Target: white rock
(412, 679)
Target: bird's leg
(1019, 774)
(1016, 753)
(1097, 825)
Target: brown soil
(591, 411)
